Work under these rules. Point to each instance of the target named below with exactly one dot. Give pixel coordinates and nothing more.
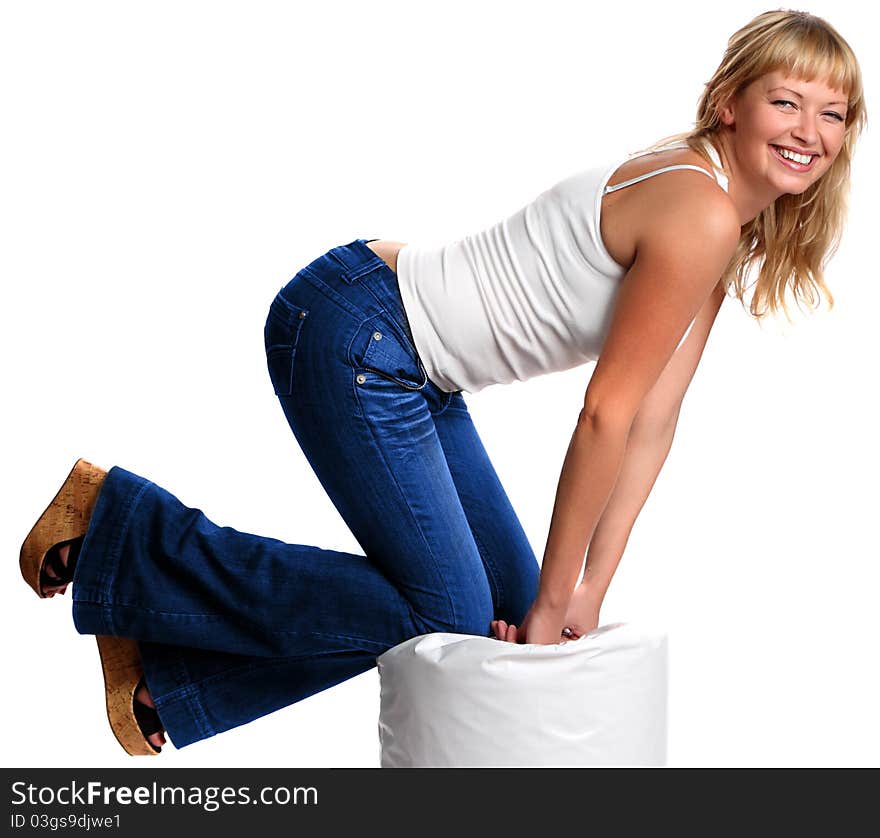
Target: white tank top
(532, 294)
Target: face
(781, 110)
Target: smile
(797, 167)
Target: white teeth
(791, 155)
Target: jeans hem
(183, 717)
(178, 701)
(98, 563)
(90, 617)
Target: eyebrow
(801, 97)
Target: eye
(837, 116)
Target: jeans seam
(190, 696)
(496, 577)
(194, 687)
(332, 295)
(381, 450)
(214, 617)
(103, 603)
(347, 637)
(442, 410)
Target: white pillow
(459, 700)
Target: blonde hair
(793, 238)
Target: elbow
(607, 416)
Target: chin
(795, 191)
(793, 185)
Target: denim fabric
(231, 625)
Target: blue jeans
(232, 626)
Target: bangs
(812, 53)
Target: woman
(370, 347)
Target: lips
(795, 167)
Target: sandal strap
(73, 555)
(54, 570)
(147, 718)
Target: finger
(511, 633)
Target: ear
(727, 109)
(727, 113)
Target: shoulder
(689, 217)
(652, 209)
(657, 208)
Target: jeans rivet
(361, 379)
(377, 335)
(302, 314)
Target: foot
(143, 694)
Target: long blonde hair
(792, 239)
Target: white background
(169, 166)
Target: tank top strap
(657, 172)
(720, 179)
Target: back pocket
(280, 337)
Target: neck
(749, 197)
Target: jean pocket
(378, 347)
(281, 333)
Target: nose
(804, 131)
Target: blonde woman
(370, 347)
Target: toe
(143, 694)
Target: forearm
(590, 470)
(646, 452)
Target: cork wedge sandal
(65, 519)
(130, 719)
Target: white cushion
(458, 700)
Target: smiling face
(781, 110)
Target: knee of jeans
(474, 617)
(465, 611)
(520, 591)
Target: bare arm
(670, 281)
(647, 448)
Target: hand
(540, 625)
(582, 614)
(581, 617)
